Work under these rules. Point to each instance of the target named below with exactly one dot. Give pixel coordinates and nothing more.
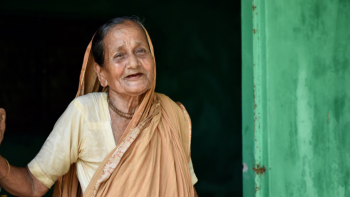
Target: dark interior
(198, 54)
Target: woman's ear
(101, 75)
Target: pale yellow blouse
(82, 135)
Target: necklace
(117, 111)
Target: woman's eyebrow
(138, 43)
(120, 46)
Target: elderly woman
(118, 137)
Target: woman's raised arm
(17, 181)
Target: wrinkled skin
(128, 70)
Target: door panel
(300, 76)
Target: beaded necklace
(117, 111)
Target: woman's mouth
(134, 76)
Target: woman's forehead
(126, 32)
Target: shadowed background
(198, 55)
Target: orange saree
(152, 157)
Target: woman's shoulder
(91, 98)
(167, 101)
(163, 97)
(89, 101)
(179, 112)
(93, 105)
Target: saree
(152, 156)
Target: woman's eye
(118, 55)
(141, 51)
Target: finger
(2, 115)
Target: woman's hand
(2, 123)
(20, 181)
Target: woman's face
(128, 65)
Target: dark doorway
(198, 54)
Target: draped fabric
(152, 157)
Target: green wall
(247, 100)
(301, 78)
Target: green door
(296, 98)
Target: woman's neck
(125, 103)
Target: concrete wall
(301, 79)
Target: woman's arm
(19, 181)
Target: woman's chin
(136, 91)
(132, 89)
(137, 88)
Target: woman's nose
(133, 61)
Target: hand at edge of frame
(2, 123)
